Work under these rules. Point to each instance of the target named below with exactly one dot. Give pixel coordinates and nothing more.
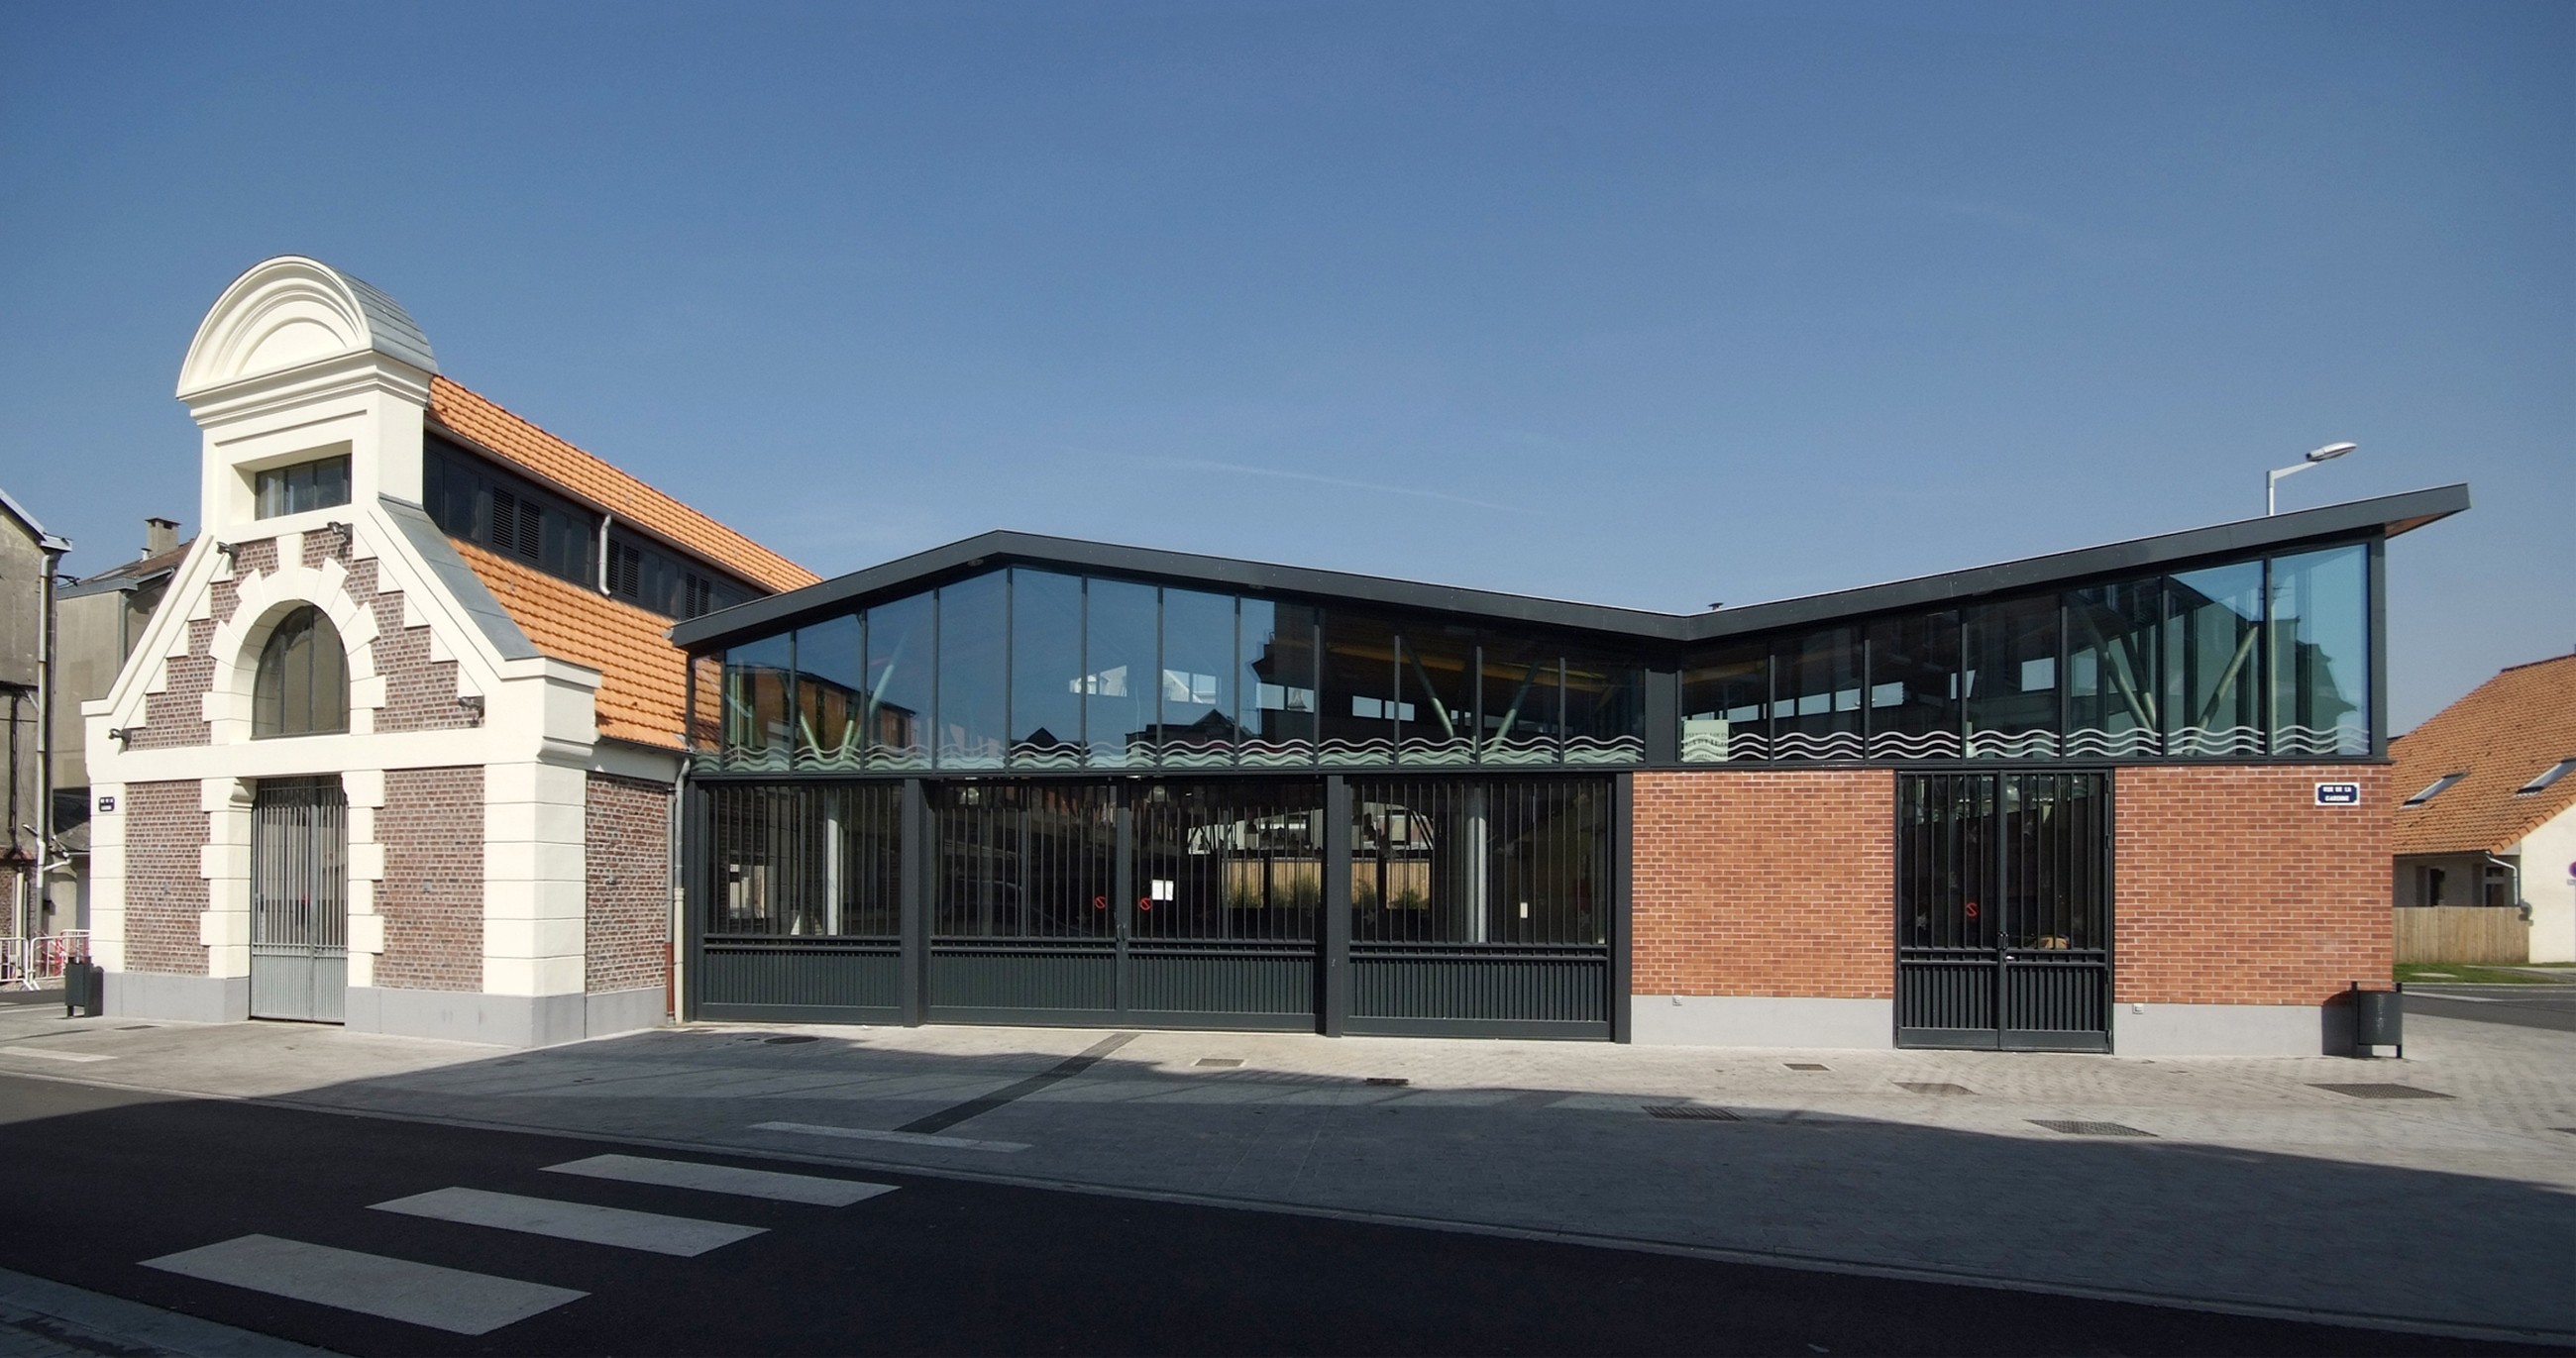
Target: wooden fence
(2462, 933)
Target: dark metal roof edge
(1004, 546)
(2390, 514)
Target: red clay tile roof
(643, 678)
(485, 424)
(2506, 732)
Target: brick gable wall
(165, 885)
(1772, 883)
(2234, 887)
(432, 894)
(627, 839)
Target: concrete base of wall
(501, 1020)
(2232, 1030)
(186, 999)
(1760, 1021)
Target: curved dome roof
(292, 311)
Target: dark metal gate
(299, 904)
(2003, 910)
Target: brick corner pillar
(1763, 908)
(2243, 908)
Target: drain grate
(2383, 1091)
(1221, 1062)
(1935, 1088)
(2089, 1128)
(791, 1038)
(1688, 1112)
(1390, 1081)
(1807, 1065)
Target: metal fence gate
(299, 899)
(2003, 910)
(1457, 905)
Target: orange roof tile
(643, 681)
(2506, 732)
(497, 431)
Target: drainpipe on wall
(2516, 869)
(676, 885)
(45, 724)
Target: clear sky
(1645, 305)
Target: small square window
(2547, 776)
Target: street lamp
(2272, 483)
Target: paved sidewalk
(2239, 1183)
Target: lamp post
(2272, 483)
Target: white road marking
(899, 1138)
(422, 1294)
(682, 1236)
(749, 1183)
(55, 1056)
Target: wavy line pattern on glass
(2340, 738)
(2206, 741)
(1027, 756)
(2012, 744)
(1596, 750)
(2088, 742)
(1920, 745)
(1817, 745)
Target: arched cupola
(291, 312)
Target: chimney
(159, 535)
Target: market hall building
(2130, 798)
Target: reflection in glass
(973, 715)
(1726, 704)
(1914, 687)
(829, 695)
(1118, 681)
(1815, 701)
(1278, 692)
(2111, 689)
(1361, 706)
(1604, 715)
(1436, 696)
(2321, 652)
(2212, 688)
(1524, 701)
(755, 703)
(1198, 679)
(1230, 860)
(1025, 860)
(2010, 679)
(1046, 670)
(900, 647)
(1465, 863)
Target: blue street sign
(2338, 794)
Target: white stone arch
(292, 312)
(264, 599)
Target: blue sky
(1643, 305)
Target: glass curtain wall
(2231, 661)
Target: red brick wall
(164, 888)
(1752, 882)
(2234, 887)
(432, 894)
(627, 829)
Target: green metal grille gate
(1422, 906)
(299, 917)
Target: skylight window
(2547, 776)
(2439, 786)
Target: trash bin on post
(2378, 1020)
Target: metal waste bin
(82, 982)
(2378, 1020)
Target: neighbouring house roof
(43, 539)
(643, 677)
(481, 422)
(132, 575)
(2506, 732)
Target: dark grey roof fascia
(2389, 514)
(1003, 546)
(445, 562)
(107, 582)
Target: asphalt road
(104, 1180)
(2523, 1006)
